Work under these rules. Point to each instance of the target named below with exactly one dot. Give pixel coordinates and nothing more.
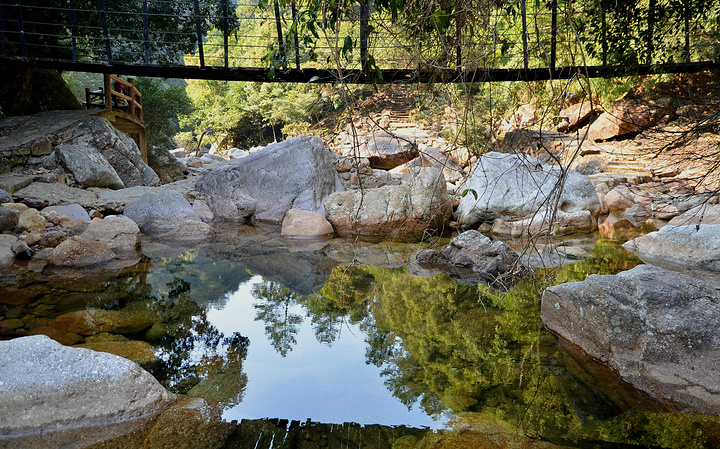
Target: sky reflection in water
(314, 380)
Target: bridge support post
(524, 34)
(198, 29)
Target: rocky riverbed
(77, 194)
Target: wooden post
(297, 40)
(651, 31)
(198, 29)
(21, 29)
(278, 25)
(524, 34)
(687, 30)
(131, 90)
(146, 33)
(74, 30)
(364, 19)
(108, 91)
(553, 37)
(225, 32)
(604, 34)
(106, 35)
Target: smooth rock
(298, 173)
(7, 255)
(128, 320)
(702, 214)
(620, 198)
(8, 219)
(88, 166)
(163, 212)
(656, 328)
(544, 222)
(74, 212)
(515, 186)
(695, 245)
(78, 252)
(5, 197)
(31, 221)
(416, 208)
(118, 232)
(49, 387)
(615, 227)
(57, 194)
(386, 151)
(300, 223)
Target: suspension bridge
(281, 42)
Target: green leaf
(466, 191)
(313, 79)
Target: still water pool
(338, 332)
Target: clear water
(342, 331)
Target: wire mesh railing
(517, 35)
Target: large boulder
(88, 166)
(513, 187)
(622, 118)
(168, 215)
(298, 173)
(167, 167)
(118, 232)
(656, 328)
(79, 252)
(49, 387)
(694, 245)
(412, 210)
(387, 151)
(472, 256)
(118, 148)
(305, 224)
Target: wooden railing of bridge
(120, 102)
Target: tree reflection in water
(479, 355)
(194, 358)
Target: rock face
(298, 173)
(409, 211)
(386, 151)
(305, 224)
(514, 187)
(656, 328)
(166, 214)
(47, 387)
(119, 150)
(695, 245)
(88, 167)
(490, 261)
(77, 252)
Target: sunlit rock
(30, 221)
(168, 215)
(515, 187)
(88, 166)
(118, 232)
(419, 207)
(49, 387)
(305, 224)
(694, 245)
(298, 173)
(656, 328)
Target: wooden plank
(401, 76)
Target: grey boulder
(515, 187)
(88, 166)
(167, 215)
(694, 245)
(47, 387)
(656, 328)
(298, 173)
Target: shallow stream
(302, 333)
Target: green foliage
(162, 103)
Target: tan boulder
(31, 221)
(79, 252)
(623, 117)
(305, 224)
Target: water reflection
(300, 332)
